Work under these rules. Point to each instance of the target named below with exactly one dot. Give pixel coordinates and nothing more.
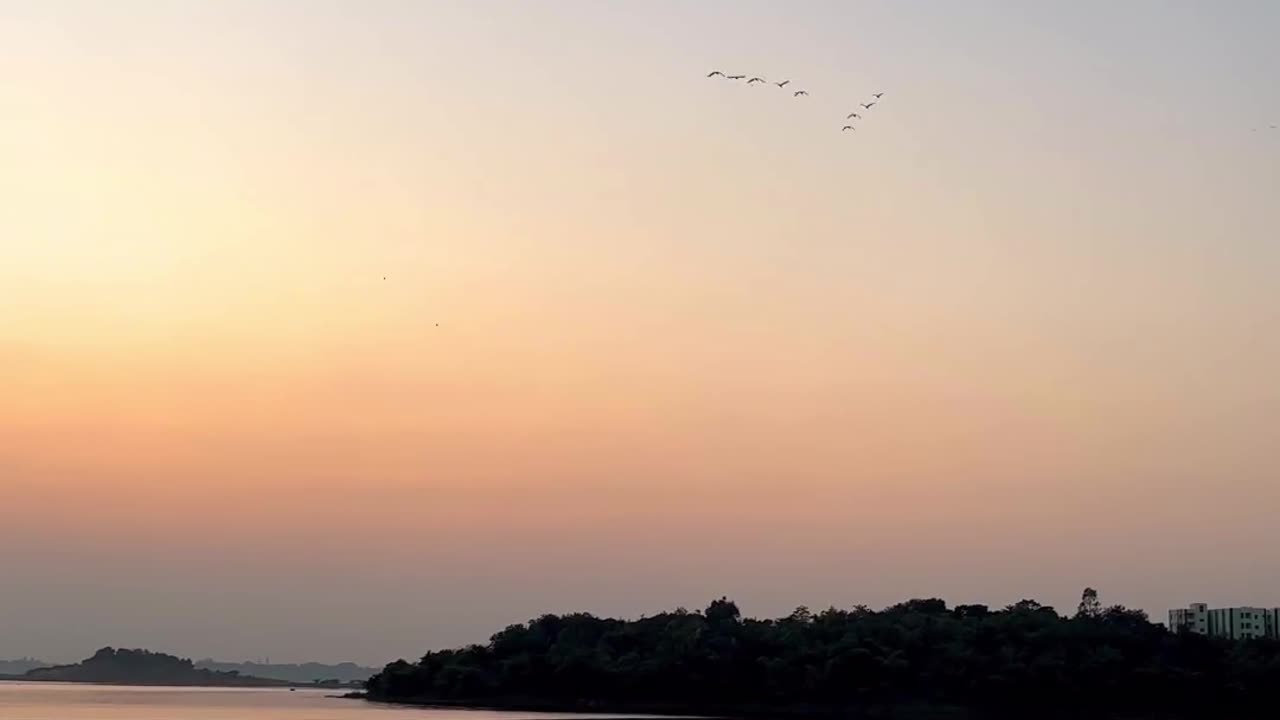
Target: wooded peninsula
(918, 654)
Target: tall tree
(1089, 607)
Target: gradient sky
(1016, 336)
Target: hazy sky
(1016, 335)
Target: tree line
(918, 653)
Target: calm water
(58, 701)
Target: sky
(348, 330)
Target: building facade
(1193, 619)
(1238, 623)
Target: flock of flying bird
(875, 97)
(855, 115)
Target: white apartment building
(1238, 623)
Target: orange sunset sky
(644, 338)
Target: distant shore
(144, 668)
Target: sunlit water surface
(58, 701)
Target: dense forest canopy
(919, 652)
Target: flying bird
(734, 77)
(798, 93)
(755, 80)
(714, 73)
(851, 116)
(848, 127)
(783, 84)
(867, 106)
(877, 95)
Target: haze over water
(1014, 338)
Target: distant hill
(143, 667)
(20, 666)
(344, 673)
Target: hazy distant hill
(20, 666)
(298, 673)
(142, 667)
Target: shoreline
(904, 711)
(896, 711)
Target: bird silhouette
(755, 80)
(734, 77)
(798, 93)
(877, 95)
(783, 84)
(848, 127)
(867, 106)
(714, 73)
(851, 116)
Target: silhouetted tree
(722, 611)
(1089, 605)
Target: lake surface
(69, 701)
